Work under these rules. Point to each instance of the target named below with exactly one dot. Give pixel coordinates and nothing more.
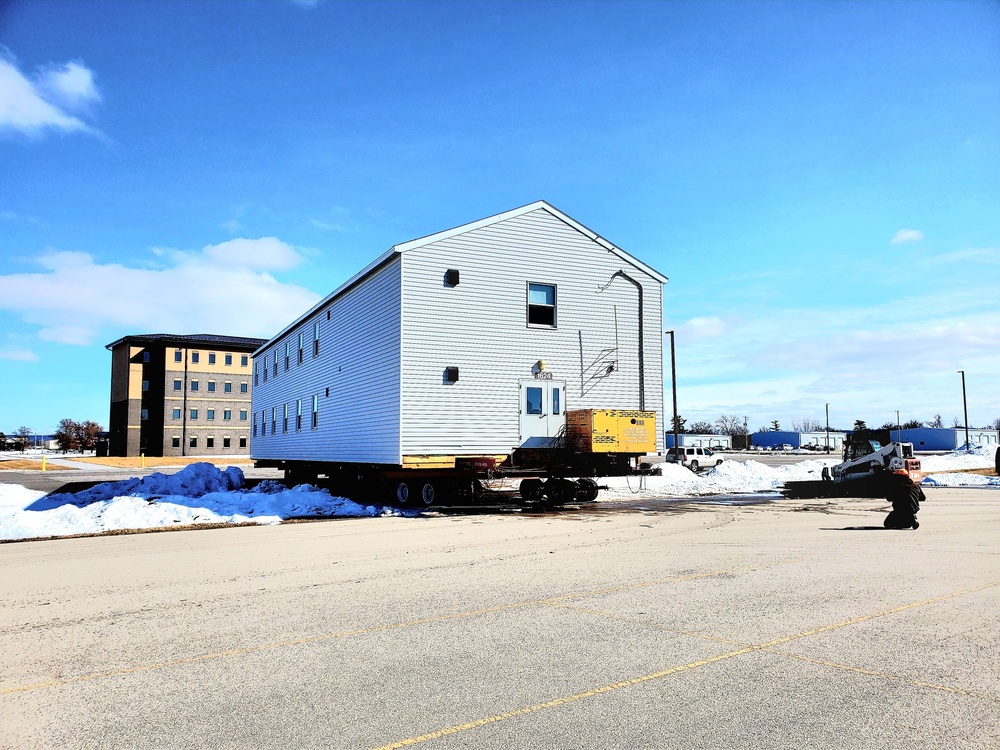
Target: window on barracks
(541, 305)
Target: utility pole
(746, 435)
(899, 428)
(965, 413)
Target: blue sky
(820, 181)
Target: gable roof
(403, 247)
(514, 212)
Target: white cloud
(697, 329)
(906, 235)
(71, 84)
(225, 288)
(19, 355)
(865, 361)
(47, 101)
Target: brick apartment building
(181, 395)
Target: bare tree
(22, 438)
(995, 424)
(66, 434)
(912, 424)
(936, 422)
(86, 434)
(955, 422)
(730, 424)
(702, 428)
(807, 425)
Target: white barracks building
(471, 341)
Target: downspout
(642, 368)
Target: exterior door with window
(543, 411)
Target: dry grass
(983, 472)
(135, 462)
(24, 464)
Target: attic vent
(451, 277)
(451, 374)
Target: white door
(543, 411)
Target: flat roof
(207, 340)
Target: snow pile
(198, 494)
(938, 470)
(982, 457)
(960, 480)
(728, 478)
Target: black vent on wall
(451, 277)
(451, 374)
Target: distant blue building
(944, 438)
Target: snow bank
(200, 493)
(728, 478)
(960, 480)
(982, 457)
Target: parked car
(693, 458)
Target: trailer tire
(560, 491)
(586, 490)
(826, 474)
(428, 494)
(532, 490)
(403, 493)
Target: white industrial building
(699, 440)
(471, 341)
(815, 440)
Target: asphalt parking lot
(659, 625)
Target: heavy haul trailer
(596, 443)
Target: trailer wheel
(586, 490)
(826, 474)
(403, 493)
(531, 490)
(560, 490)
(427, 494)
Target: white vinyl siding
(480, 327)
(358, 362)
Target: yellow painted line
(562, 701)
(674, 670)
(886, 675)
(367, 631)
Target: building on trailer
(946, 438)
(811, 440)
(178, 395)
(468, 342)
(689, 439)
